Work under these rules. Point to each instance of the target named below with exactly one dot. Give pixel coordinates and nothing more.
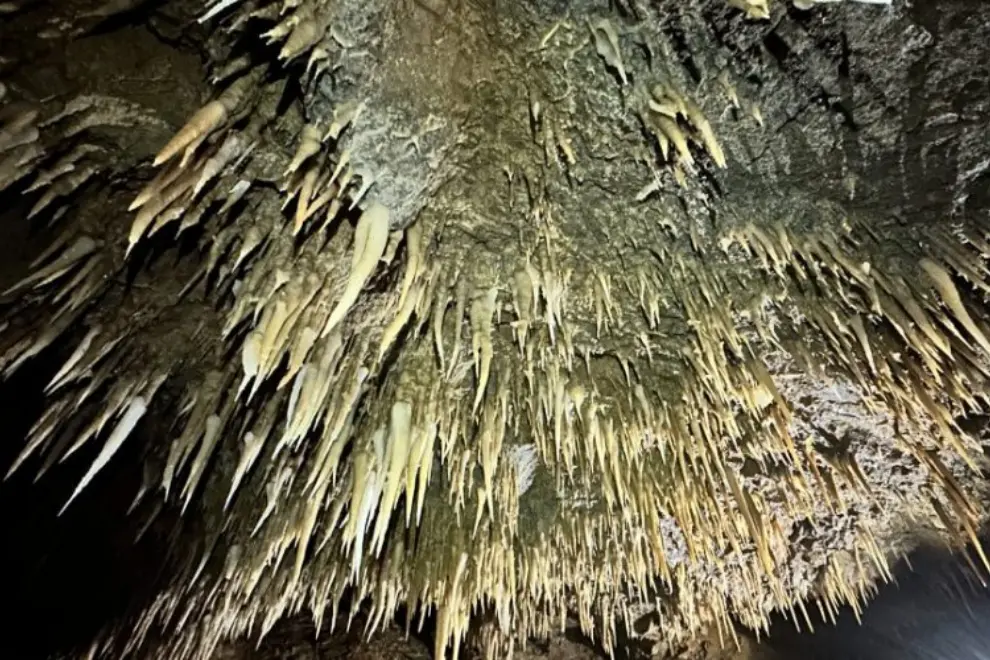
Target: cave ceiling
(505, 313)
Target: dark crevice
(777, 48)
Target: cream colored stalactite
(206, 121)
(461, 294)
(339, 418)
(809, 4)
(310, 143)
(453, 614)
(199, 403)
(368, 477)
(524, 293)
(607, 45)
(75, 367)
(482, 310)
(301, 30)
(170, 194)
(134, 409)
(942, 281)
(20, 145)
(414, 260)
(396, 463)
(411, 292)
(370, 239)
(211, 435)
(755, 9)
(216, 8)
(675, 121)
(233, 147)
(249, 453)
(79, 250)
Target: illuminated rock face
(659, 309)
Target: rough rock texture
(646, 313)
(935, 610)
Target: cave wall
(877, 110)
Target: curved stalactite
(610, 310)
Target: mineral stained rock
(658, 314)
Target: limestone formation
(501, 313)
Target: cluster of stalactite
(397, 424)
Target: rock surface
(518, 136)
